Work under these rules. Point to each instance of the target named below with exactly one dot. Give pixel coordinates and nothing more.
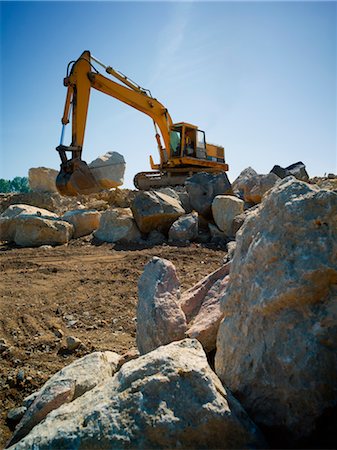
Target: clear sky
(258, 77)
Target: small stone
(21, 375)
(59, 333)
(3, 345)
(72, 343)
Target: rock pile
(269, 314)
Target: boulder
(155, 211)
(185, 229)
(160, 319)
(203, 187)
(257, 185)
(20, 209)
(108, 170)
(42, 179)
(65, 386)
(168, 398)
(155, 238)
(224, 209)
(8, 220)
(296, 170)
(118, 225)
(201, 305)
(179, 193)
(84, 221)
(216, 234)
(276, 346)
(34, 231)
(239, 183)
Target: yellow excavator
(182, 147)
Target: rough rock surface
(160, 319)
(34, 231)
(224, 210)
(168, 398)
(155, 211)
(179, 193)
(118, 225)
(42, 179)
(239, 183)
(65, 386)
(257, 185)
(203, 187)
(185, 229)
(108, 170)
(216, 234)
(276, 347)
(296, 170)
(201, 305)
(8, 219)
(19, 209)
(84, 221)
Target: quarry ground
(85, 291)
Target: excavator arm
(75, 176)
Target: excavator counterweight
(182, 147)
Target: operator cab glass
(201, 145)
(175, 141)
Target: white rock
(118, 225)
(42, 179)
(108, 170)
(84, 221)
(33, 231)
(155, 211)
(224, 210)
(169, 398)
(65, 386)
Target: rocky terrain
(200, 317)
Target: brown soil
(85, 291)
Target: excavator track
(145, 181)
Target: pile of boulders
(206, 209)
(269, 315)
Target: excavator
(182, 147)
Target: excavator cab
(186, 141)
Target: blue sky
(258, 77)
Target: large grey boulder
(277, 344)
(42, 179)
(160, 319)
(224, 209)
(65, 386)
(108, 170)
(203, 187)
(84, 221)
(155, 211)
(168, 398)
(118, 225)
(296, 170)
(185, 229)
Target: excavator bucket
(76, 178)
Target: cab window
(175, 141)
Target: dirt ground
(85, 291)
